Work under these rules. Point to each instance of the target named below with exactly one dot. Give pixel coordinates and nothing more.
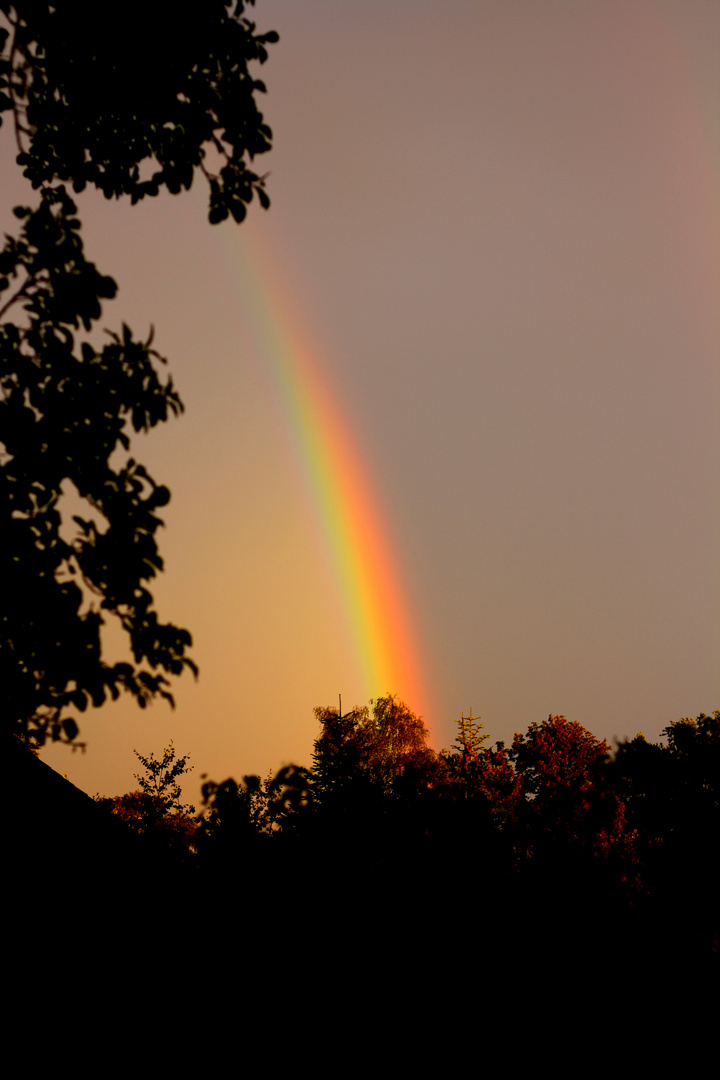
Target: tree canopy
(137, 103)
(65, 408)
(131, 109)
(377, 743)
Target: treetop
(138, 106)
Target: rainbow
(356, 542)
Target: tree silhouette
(672, 795)
(568, 798)
(65, 408)
(105, 105)
(168, 834)
(369, 746)
(94, 97)
(160, 778)
(338, 755)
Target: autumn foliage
(558, 824)
(566, 794)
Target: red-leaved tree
(567, 797)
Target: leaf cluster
(375, 745)
(556, 755)
(133, 103)
(234, 812)
(140, 102)
(66, 407)
(567, 796)
(673, 791)
(160, 780)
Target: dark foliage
(672, 795)
(420, 884)
(65, 408)
(160, 777)
(103, 96)
(371, 746)
(566, 797)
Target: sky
(451, 423)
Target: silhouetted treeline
(550, 835)
(551, 854)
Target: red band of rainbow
(356, 541)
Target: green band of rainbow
(355, 539)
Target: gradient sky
(493, 257)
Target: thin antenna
(340, 707)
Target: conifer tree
(470, 735)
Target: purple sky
(500, 220)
